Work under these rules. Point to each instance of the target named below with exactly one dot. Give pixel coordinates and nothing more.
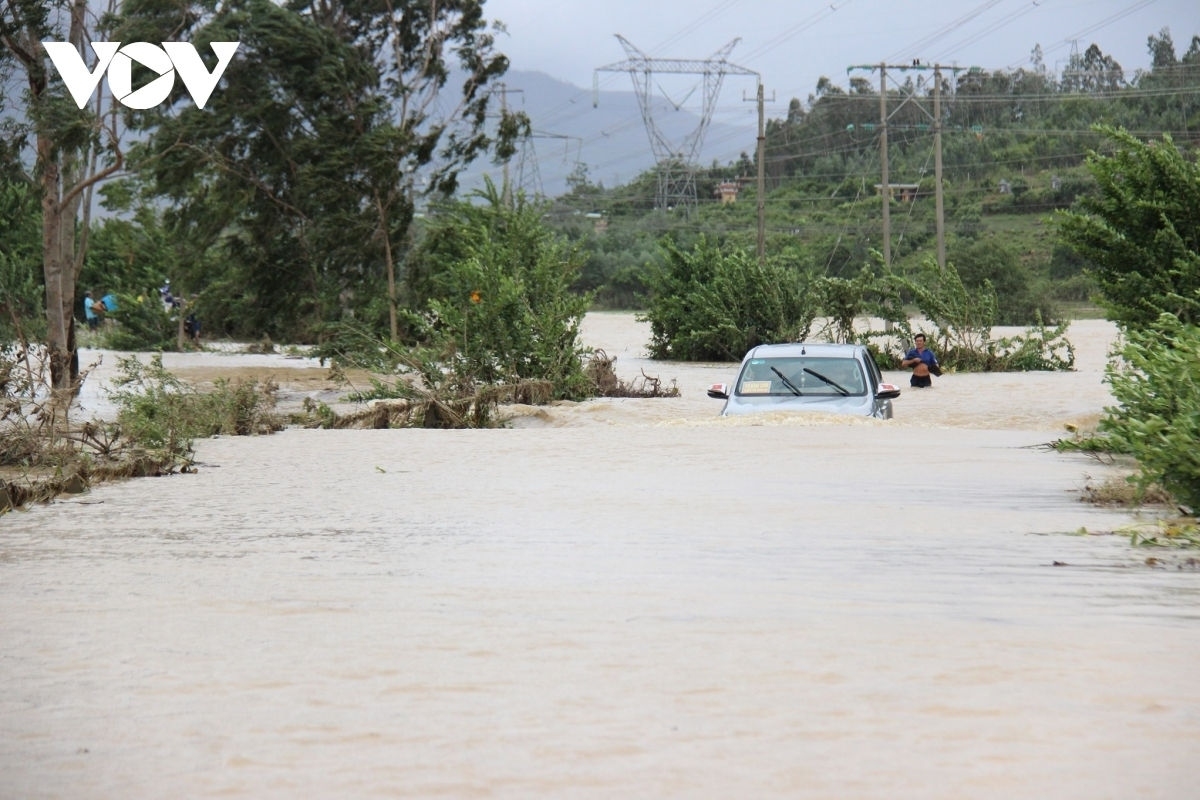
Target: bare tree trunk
(58, 274)
(59, 268)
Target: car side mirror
(720, 391)
(887, 391)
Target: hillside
(604, 133)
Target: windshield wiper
(832, 383)
(786, 382)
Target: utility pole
(936, 118)
(937, 166)
(883, 164)
(760, 157)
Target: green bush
(158, 412)
(963, 317)
(1157, 419)
(710, 305)
(1139, 230)
(22, 299)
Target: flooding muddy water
(619, 598)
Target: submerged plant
(159, 412)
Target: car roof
(810, 349)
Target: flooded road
(621, 598)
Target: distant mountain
(606, 133)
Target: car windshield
(801, 376)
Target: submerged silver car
(832, 378)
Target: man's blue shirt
(925, 355)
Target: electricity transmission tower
(675, 162)
(529, 175)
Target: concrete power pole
(936, 119)
(762, 180)
(886, 189)
(760, 157)
(937, 166)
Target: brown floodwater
(618, 598)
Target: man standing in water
(923, 362)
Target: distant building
(727, 191)
(905, 192)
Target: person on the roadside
(169, 300)
(191, 327)
(89, 312)
(923, 363)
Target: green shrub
(158, 412)
(1139, 230)
(1038, 349)
(710, 305)
(962, 316)
(493, 307)
(501, 308)
(1157, 419)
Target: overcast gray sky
(792, 43)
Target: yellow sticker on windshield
(756, 387)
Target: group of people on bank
(96, 309)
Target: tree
(996, 266)
(303, 173)
(64, 151)
(21, 296)
(1141, 231)
(501, 307)
(1157, 416)
(713, 304)
(1092, 73)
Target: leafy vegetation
(1145, 238)
(162, 414)
(714, 304)
(708, 305)
(140, 323)
(43, 452)
(1157, 417)
(1142, 231)
(498, 308)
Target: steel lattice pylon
(676, 170)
